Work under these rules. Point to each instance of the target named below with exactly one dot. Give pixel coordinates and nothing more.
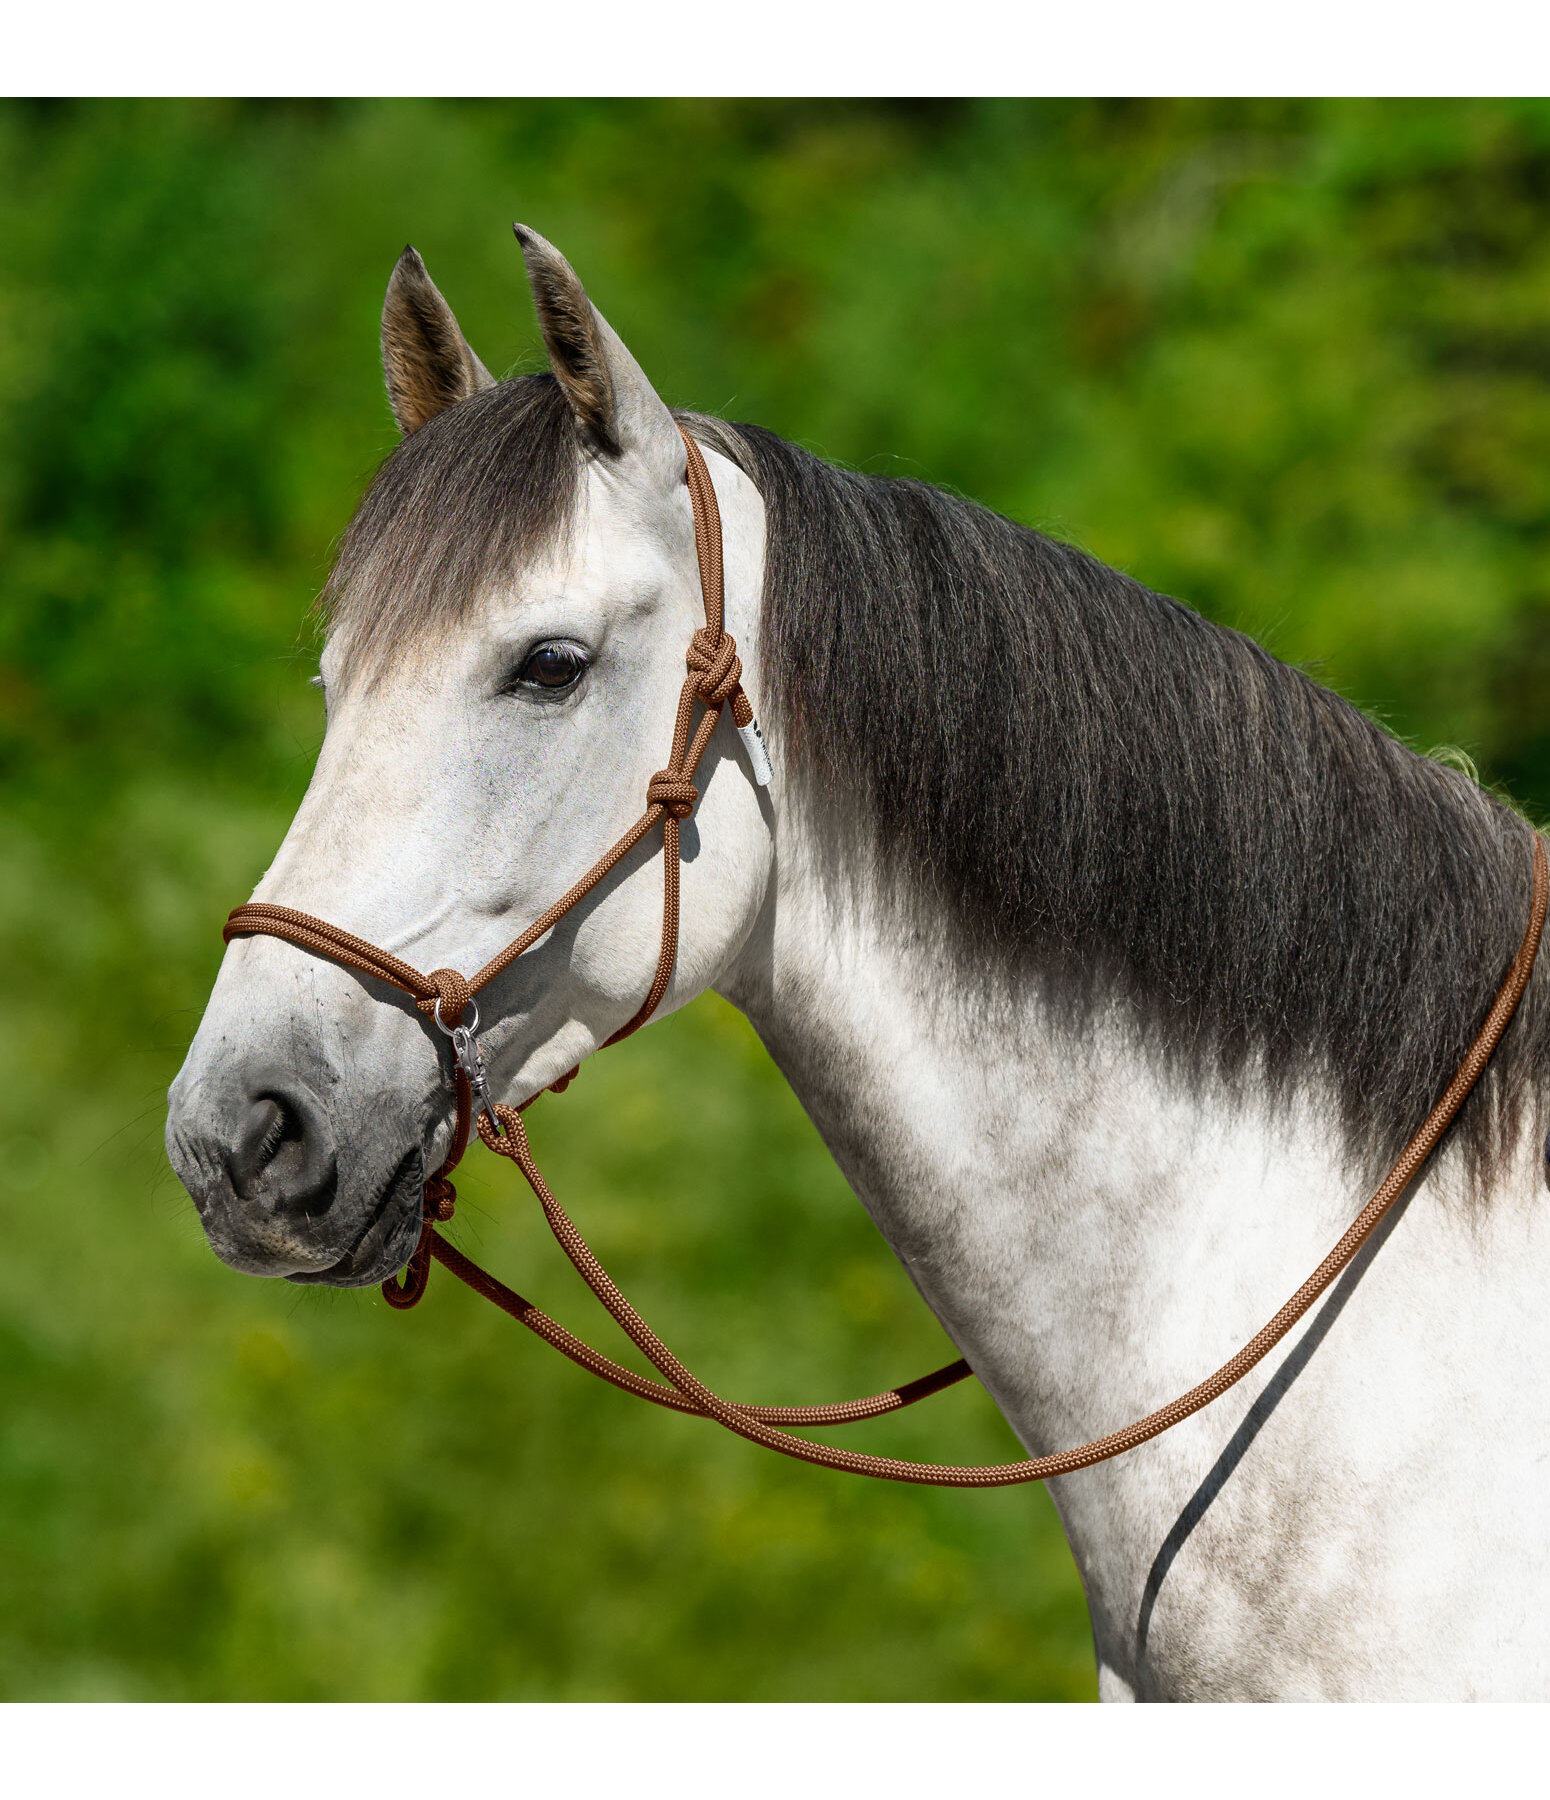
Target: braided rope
(759, 1427)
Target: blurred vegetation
(1286, 360)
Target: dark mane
(1097, 787)
(1104, 788)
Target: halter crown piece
(444, 996)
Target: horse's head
(508, 622)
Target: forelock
(484, 488)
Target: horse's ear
(425, 357)
(614, 403)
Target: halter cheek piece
(714, 681)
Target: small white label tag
(758, 756)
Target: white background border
(772, 47)
(798, 1752)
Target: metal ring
(449, 1029)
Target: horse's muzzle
(258, 1153)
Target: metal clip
(470, 1059)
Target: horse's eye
(552, 666)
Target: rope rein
(715, 683)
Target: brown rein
(715, 681)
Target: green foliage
(1285, 360)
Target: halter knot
(673, 791)
(712, 658)
(440, 1199)
(452, 994)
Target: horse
(1112, 958)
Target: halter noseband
(715, 681)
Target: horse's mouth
(388, 1237)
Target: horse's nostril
(261, 1134)
(278, 1160)
(269, 1123)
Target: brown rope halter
(714, 681)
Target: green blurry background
(1290, 361)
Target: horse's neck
(1060, 1204)
(1096, 1236)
